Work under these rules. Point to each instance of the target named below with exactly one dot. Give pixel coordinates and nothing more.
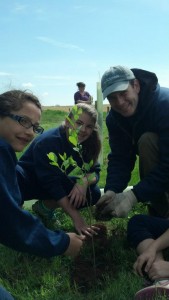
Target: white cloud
(5, 74)
(59, 44)
(20, 7)
(27, 84)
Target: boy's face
(14, 133)
(125, 102)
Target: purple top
(78, 96)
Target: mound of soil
(95, 261)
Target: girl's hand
(77, 195)
(76, 242)
(159, 269)
(145, 260)
(83, 228)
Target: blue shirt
(18, 228)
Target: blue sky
(47, 46)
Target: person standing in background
(82, 96)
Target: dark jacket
(45, 177)
(152, 115)
(18, 228)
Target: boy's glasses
(25, 122)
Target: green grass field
(32, 278)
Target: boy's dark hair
(14, 100)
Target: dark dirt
(91, 270)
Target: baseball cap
(116, 79)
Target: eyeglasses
(25, 122)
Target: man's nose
(119, 100)
(83, 128)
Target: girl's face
(14, 133)
(86, 125)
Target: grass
(32, 278)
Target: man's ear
(137, 85)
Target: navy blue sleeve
(157, 181)
(18, 228)
(121, 159)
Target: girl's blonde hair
(92, 146)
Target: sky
(47, 46)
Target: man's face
(125, 102)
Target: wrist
(153, 247)
(85, 181)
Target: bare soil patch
(85, 273)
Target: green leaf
(86, 166)
(53, 159)
(91, 163)
(65, 155)
(52, 156)
(76, 149)
(72, 162)
(70, 121)
(66, 164)
(76, 172)
(73, 140)
(62, 156)
(54, 163)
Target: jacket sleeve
(19, 229)
(156, 183)
(121, 159)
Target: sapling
(63, 161)
(68, 161)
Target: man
(138, 124)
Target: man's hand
(119, 206)
(122, 204)
(103, 202)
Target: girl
(20, 114)
(49, 182)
